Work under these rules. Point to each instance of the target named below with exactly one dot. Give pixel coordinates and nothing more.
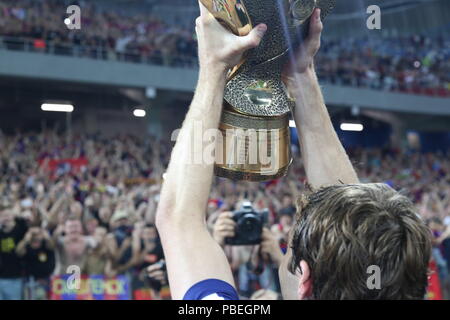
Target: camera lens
(250, 226)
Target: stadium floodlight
(358, 127)
(57, 107)
(292, 124)
(140, 113)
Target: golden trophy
(255, 142)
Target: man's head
(100, 234)
(341, 231)
(287, 200)
(7, 219)
(73, 227)
(120, 219)
(105, 213)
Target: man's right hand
(224, 228)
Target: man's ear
(305, 286)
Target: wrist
(299, 79)
(213, 71)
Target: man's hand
(28, 236)
(218, 48)
(224, 228)
(304, 56)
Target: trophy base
(248, 176)
(252, 148)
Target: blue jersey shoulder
(211, 289)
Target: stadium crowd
(90, 202)
(419, 65)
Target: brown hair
(342, 230)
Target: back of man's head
(343, 230)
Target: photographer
(12, 231)
(156, 275)
(253, 262)
(38, 253)
(336, 236)
(148, 251)
(122, 242)
(245, 260)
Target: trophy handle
(232, 14)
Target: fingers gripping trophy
(255, 140)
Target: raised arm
(324, 157)
(191, 253)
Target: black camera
(249, 225)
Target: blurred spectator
(415, 64)
(12, 231)
(98, 260)
(156, 275)
(38, 253)
(282, 228)
(71, 245)
(440, 235)
(150, 249)
(100, 211)
(121, 243)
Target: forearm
(189, 177)
(56, 208)
(21, 248)
(324, 157)
(123, 268)
(191, 253)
